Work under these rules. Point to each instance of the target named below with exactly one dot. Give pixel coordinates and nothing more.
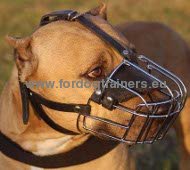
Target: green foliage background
(20, 17)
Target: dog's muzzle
(145, 78)
(151, 118)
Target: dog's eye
(97, 72)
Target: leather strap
(25, 102)
(37, 101)
(58, 15)
(83, 109)
(107, 38)
(42, 114)
(70, 15)
(92, 149)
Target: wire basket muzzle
(155, 97)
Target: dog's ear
(25, 60)
(101, 11)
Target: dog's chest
(49, 146)
(35, 168)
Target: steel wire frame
(177, 98)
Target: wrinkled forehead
(69, 44)
(73, 32)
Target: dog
(47, 55)
(167, 48)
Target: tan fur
(167, 48)
(53, 52)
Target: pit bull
(51, 53)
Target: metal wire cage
(146, 112)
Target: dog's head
(63, 53)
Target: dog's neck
(30, 139)
(10, 108)
(28, 136)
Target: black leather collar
(78, 155)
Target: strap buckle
(82, 109)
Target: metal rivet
(98, 92)
(77, 107)
(110, 98)
(125, 52)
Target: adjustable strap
(77, 156)
(42, 114)
(37, 101)
(82, 109)
(126, 52)
(70, 15)
(58, 15)
(25, 102)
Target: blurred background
(20, 17)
